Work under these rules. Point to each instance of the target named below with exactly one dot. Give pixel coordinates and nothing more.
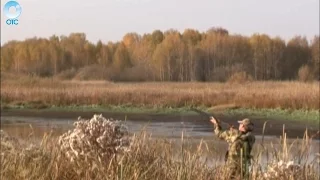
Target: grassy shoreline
(269, 99)
(272, 114)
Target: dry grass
(48, 92)
(146, 158)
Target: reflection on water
(35, 128)
(21, 126)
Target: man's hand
(213, 120)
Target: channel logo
(12, 10)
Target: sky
(110, 20)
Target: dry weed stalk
(282, 169)
(95, 137)
(8, 143)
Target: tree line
(214, 55)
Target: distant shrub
(305, 74)
(220, 74)
(134, 74)
(240, 77)
(67, 74)
(93, 72)
(10, 75)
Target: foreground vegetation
(43, 93)
(144, 158)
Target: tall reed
(151, 158)
(48, 92)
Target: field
(44, 93)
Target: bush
(96, 136)
(305, 74)
(67, 74)
(134, 74)
(240, 77)
(93, 72)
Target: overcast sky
(110, 20)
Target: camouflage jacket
(238, 141)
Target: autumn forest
(214, 55)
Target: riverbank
(309, 116)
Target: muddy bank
(199, 123)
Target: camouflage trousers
(237, 170)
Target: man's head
(245, 125)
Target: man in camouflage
(240, 145)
